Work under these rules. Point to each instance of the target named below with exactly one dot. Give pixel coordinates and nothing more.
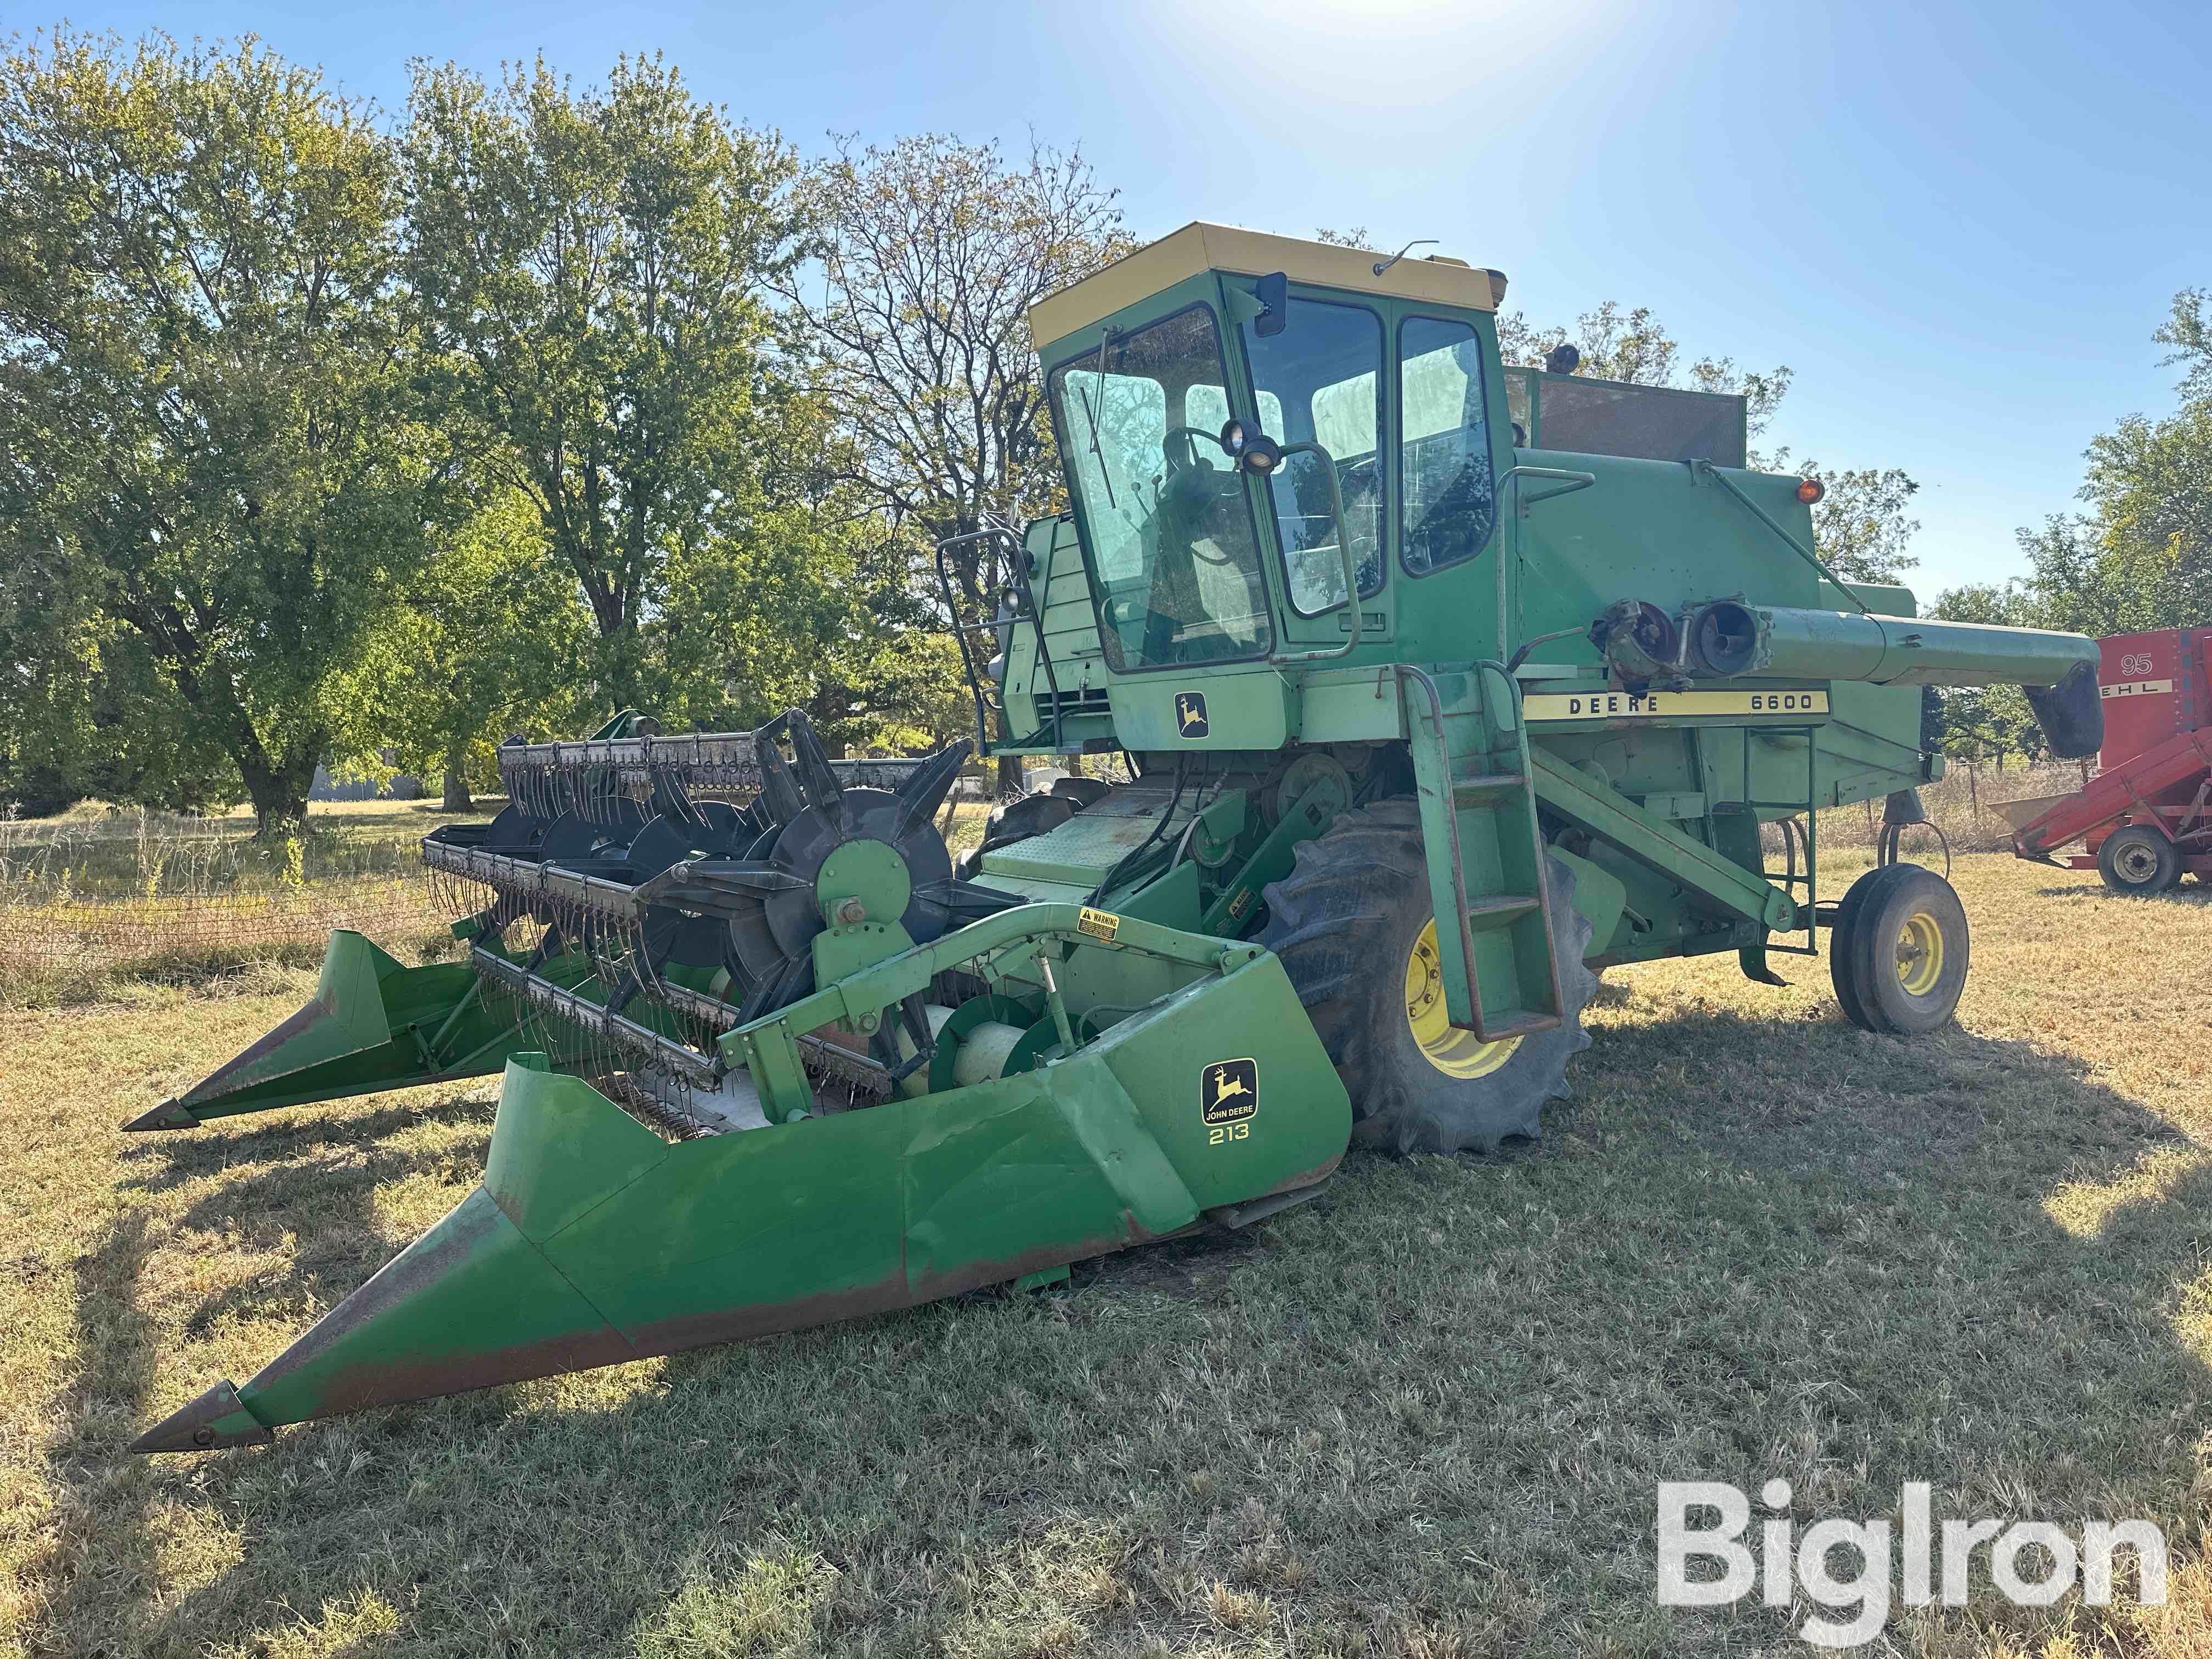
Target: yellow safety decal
(1099, 924)
(1668, 705)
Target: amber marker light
(1810, 490)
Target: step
(1519, 1023)
(1486, 786)
(1500, 910)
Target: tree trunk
(278, 789)
(457, 787)
(1010, 775)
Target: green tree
(2141, 556)
(1862, 527)
(926, 257)
(1991, 721)
(589, 270)
(210, 471)
(493, 638)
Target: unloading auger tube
(1731, 639)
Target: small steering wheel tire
(1900, 962)
(2136, 859)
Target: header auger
(1442, 686)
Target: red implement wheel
(2136, 859)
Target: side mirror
(1260, 454)
(1274, 293)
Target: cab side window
(1447, 499)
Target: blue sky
(1958, 224)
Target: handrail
(1571, 483)
(1344, 556)
(1017, 561)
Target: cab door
(1322, 379)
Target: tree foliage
(492, 637)
(927, 255)
(1863, 527)
(591, 270)
(210, 478)
(2140, 559)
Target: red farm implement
(2146, 819)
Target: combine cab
(2146, 817)
(1441, 686)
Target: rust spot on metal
(884, 1296)
(170, 1114)
(192, 1427)
(362, 1384)
(1321, 1171)
(362, 1387)
(304, 1017)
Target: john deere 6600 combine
(1441, 685)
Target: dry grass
(1424, 1416)
(99, 853)
(96, 903)
(1960, 805)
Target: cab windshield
(1167, 520)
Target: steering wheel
(1189, 454)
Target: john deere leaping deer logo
(1228, 1090)
(1190, 714)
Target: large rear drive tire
(2136, 859)
(1900, 953)
(1355, 930)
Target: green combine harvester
(1441, 686)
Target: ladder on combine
(1478, 804)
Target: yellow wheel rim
(1453, 1052)
(1919, 953)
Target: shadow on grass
(303, 1190)
(1435, 1404)
(100, 1557)
(158, 1160)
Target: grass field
(1424, 1416)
